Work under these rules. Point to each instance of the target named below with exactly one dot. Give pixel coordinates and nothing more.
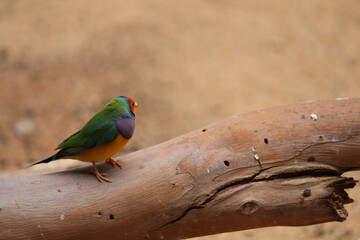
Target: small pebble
(313, 116)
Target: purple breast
(126, 127)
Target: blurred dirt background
(187, 63)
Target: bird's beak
(136, 105)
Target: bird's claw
(99, 176)
(113, 162)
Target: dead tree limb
(280, 166)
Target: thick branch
(275, 167)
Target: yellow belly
(103, 152)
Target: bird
(104, 135)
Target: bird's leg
(98, 175)
(113, 162)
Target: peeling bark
(276, 167)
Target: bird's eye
(133, 105)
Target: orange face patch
(132, 103)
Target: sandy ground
(187, 63)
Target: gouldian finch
(104, 135)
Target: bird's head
(130, 102)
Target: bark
(276, 167)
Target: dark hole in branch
(266, 141)
(226, 162)
(307, 193)
(311, 159)
(99, 213)
(111, 217)
(204, 130)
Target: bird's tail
(47, 160)
(60, 154)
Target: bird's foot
(113, 162)
(99, 176)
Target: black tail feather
(60, 154)
(47, 160)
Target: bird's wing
(95, 133)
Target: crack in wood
(338, 198)
(316, 144)
(198, 204)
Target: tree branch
(276, 167)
